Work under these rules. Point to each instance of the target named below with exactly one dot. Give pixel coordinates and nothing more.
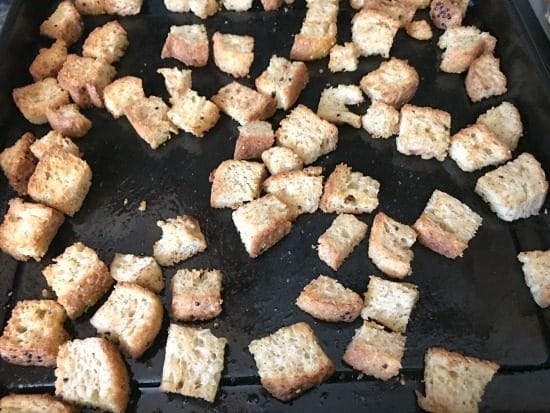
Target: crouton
(237, 5)
(283, 80)
(290, 361)
(381, 120)
(177, 81)
(68, 121)
(393, 83)
(193, 363)
(93, 7)
(33, 333)
(49, 61)
(401, 11)
(375, 352)
(419, 30)
(188, 44)
(64, 24)
(372, 32)
(536, 269)
(122, 93)
(254, 138)
(424, 131)
(485, 79)
(91, 372)
(279, 159)
(35, 99)
(454, 383)
(52, 140)
(196, 295)
(462, 45)
(344, 58)
(446, 225)
(18, 163)
(390, 245)
(244, 104)
(142, 271)
(262, 223)
(307, 134)
(505, 122)
(34, 403)
(181, 239)
(123, 7)
(333, 105)
(233, 54)
(193, 113)
(107, 42)
(349, 192)
(515, 190)
(271, 5)
(236, 182)
(340, 239)
(448, 13)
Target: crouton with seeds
(448, 13)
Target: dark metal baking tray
(477, 305)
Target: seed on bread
(49, 61)
(344, 58)
(181, 239)
(53, 139)
(485, 79)
(64, 23)
(193, 113)
(35, 99)
(536, 269)
(373, 31)
(122, 93)
(381, 120)
(279, 159)
(18, 163)
(107, 42)
(196, 294)
(143, 271)
(254, 139)
(68, 120)
(34, 403)
(334, 101)
(188, 44)
(505, 122)
(233, 54)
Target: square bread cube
(79, 279)
(326, 299)
(28, 229)
(279, 159)
(233, 54)
(349, 192)
(181, 239)
(196, 294)
(236, 182)
(344, 58)
(107, 42)
(91, 372)
(536, 269)
(419, 30)
(505, 122)
(123, 7)
(291, 361)
(424, 131)
(131, 317)
(61, 180)
(448, 13)
(340, 239)
(373, 31)
(462, 45)
(375, 351)
(307, 134)
(381, 120)
(333, 105)
(68, 121)
(254, 138)
(188, 44)
(193, 113)
(485, 79)
(64, 23)
(244, 104)
(34, 403)
(18, 163)
(283, 80)
(35, 99)
(454, 383)
(393, 83)
(390, 245)
(123, 93)
(262, 223)
(390, 303)
(177, 6)
(446, 225)
(54, 140)
(177, 81)
(515, 190)
(193, 364)
(49, 61)
(143, 271)
(33, 333)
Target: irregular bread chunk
(93, 7)
(344, 58)
(49, 61)
(34, 403)
(505, 122)
(107, 42)
(237, 5)
(448, 13)
(18, 163)
(143, 271)
(188, 44)
(193, 113)
(381, 120)
(373, 31)
(196, 294)
(254, 139)
(271, 5)
(177, 81)
(333, 105)
(536, 269)
(122, 93)
(419, 30)
(64, 24)
(402, 11)
(181, 239)
(233, 54)
(462, 45)
(53, 139)
(279, 159)
(123, 7)
(35, 99)
(68, 121)
(485, 79)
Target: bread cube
(401, 11)
(177, 6)
(515, 190)
(254, 139)
(462, 45)
(237, 5)
(505, 122)
(181, 239)
(233, 54)
(93, 7)
(340, 239)
(18, 163)
(196, 295)
(448, 13)
(123, 93)
(188, 44)
(272, 5)
(177, 81)
(536, 269)
(34, 403)
(446, 225)
(193, 113)
(53, 140)
(107, 42)
(68, 121)
(333, 105)
(419, 30)
(344, 58)
(290, 361)
(64, 23)
(381, 120)
(279, 159)
(49, 61)
(143, 271)
(485, 79)
(35, 99)
(373, 31)
(123, 7)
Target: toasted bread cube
(340, 239)
(51, 140)
(326, 299)
(177, 6)
(49, 61)
(93, 7)
(419, 30)
(515, 190)
(177, 81)
(279, 159)
(196, 294)
(454, 383)
(262, 223)
(233, 54)
(290, 361)
(307, 134)
(401, 11)
(349, 192)
(131, 317)
(424, 131)
(390, 245)
(244, 104)
(91, 372)
(122, 93)
(375, 352)
(254, 139)
(61, 180)
(283, 80)
(237, 5)
(536, 269)
(505, 122)
(446, 225)
(35, 99)
(149, 117)
(33, 333)
(68, 121)
(390, 303)
(181, 239)
(394, 83)
(193, 113)
(193, 364)
(123, 7)
(188, 44)
(344, 58)
(142, 271)
(333, 105)
(85, 78)
(271, 5)
(381, 120)
(34, 403)
(448, 13)
(373, 32)
(64, 24)
(18, 163)
(107, 42)
(485, 79)
(204, 8)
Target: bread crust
(18, 163)
(536, 267)
(233, 54)
(34, 403)
(254, 138)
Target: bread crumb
(125, 201)
(142, 206)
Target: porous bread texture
(402, 11)
(536, 269)
(334, 101)
(343, 58)
(122, 93)
(381, 120)
(51, 140)
(193, 113)
(49, 61)
(107, 42)
(143, 271)
(177, 81)
(233, 54)
(448, 13)
(188, 44)
(181, 239)
(35, 99)
(196, 294)
(279, 159)
(505, 122)
(372, 31)
(64, 23)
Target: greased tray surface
(477, 305)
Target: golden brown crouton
(193, 113)
(68, 121)
(254, 138)
(196, 294)
(233, 54)
(188, 44)
(64, 24)
(18, 163)
(122, 93)
(33, 100)
(49, 61)
(51, 140)
(107, 42)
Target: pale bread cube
(334, 101)
(193, 113)
(204, 8)
(290, 361)
(196, 295)
(254, 139)
(237, 5)
(233, 54)
(177, 6)
(177, 81)
(123, 7)
(143, 271)
(34, 403)
(107, 42)
(35, 99)
(343, 58)
(279, 159)
(53, 139)
(188, 44)
(181, 239)
(419, 30)
(515, 190)
(448, 13)
(68, 121)
(373, 31)
(485, 79)
(446, 225)
(536, 269)
(49, 61)
(93, 7)
(505, 122)
(122, 93)
(381, 120)
(18, 163)
(64, 23)
(401, 11)
(340, 239)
